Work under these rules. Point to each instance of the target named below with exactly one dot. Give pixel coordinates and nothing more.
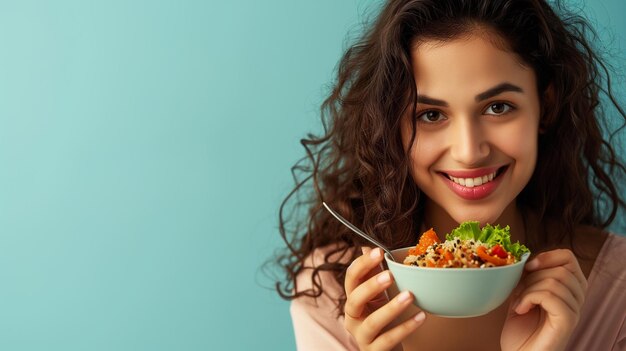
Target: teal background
(144, 149)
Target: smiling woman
(462, 110)
(477, 107)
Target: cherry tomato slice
(499, 251)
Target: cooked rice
(463, 255)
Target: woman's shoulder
(313, 276)
(318, 321)
(601, 325)
(615, 243)
(611, 260)
(587, 243)
(338, 252)
(596, 249)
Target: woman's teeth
(472, 182)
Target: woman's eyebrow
(498, 89)
(423, 99)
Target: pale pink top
(601, 326)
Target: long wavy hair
(359, 164)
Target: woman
(436, 97)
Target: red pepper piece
(481, 251)
(499, 251)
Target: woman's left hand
(547, 305)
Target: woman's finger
(555, 258)
(382, 317)
(358, 299)
(357, 272)
(558, 312)
(561, 274)
(554, 289)
(397, 334)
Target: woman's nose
(469, 145)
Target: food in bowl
(467, 246)
(459, 292)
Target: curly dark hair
(359, 164)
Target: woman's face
(476, 121)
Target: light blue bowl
(455, 292)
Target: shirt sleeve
(603, 315)
(620, 345)
(316, 328)
(315, 320)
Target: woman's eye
(430, 117)
(498, 108)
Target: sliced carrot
(428, 238)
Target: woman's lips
(470, 191)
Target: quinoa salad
(468, 246)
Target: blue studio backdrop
(145, 147)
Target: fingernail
(419, 317)
(404, 297)
(383, 278)
(375, 253)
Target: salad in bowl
(469, 274)
(467, 246)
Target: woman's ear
(547, 108)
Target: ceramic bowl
(455, 292)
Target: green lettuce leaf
(488, 235)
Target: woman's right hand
(370, 324)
